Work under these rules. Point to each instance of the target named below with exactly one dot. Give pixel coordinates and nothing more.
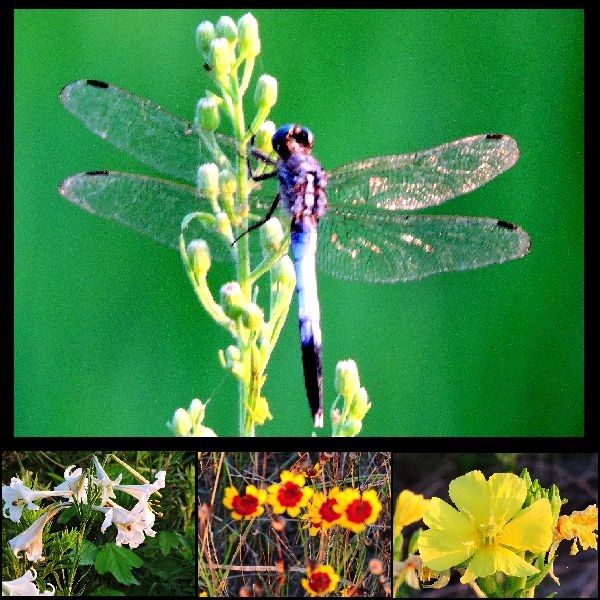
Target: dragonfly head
(292, 139)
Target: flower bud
(203, 431)
(232, 299)
(271, 235)
(223, 226)
(556, 502)
(264, 135)
(261, 411)
(199, 257)
(252, 317)
(220, 59)
(347, 382)
(196, 411)
(181, 424)
(283, 272)
(207, 113)
(207, 180)
(232, 356)
(350, 428)
(265, 94)
(226, 28)
(360, 404)
(205, 33)
(248, 38)
(227, 183)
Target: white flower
(17, 495)
(77, 482)
(105, 482)
(131, 524)
(24, 586)
(143, 492)
(30, 540)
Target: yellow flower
(324, 511)
(360, 510)
(290, 495)
(321, 580)
(488, 529)
(579, 527)
(248, 506)
(410, 508)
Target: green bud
(350, 428)
(271, 235)
(221, 58)
(226, 28)
(232, 299)
(526, 477)
(207, 180)
(283, 272)
(347, 381)
(205, 33)
(252, 317)
(196, 411)
(249, 40)
(227, 183)
(360, 404)
(207, 114)
(556, 502)
(223, 226)
(264, 136)
(232, 356)
(199, 257)
(181, 424)
(265, 94)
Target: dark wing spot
(207, 67)
(494, 136)
(97, 173)
(506, 225)
(96, 83)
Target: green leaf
(105, 591)
(118, 561)
(167, 540)
(88, 553)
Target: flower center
(359, 511)
(245, 505)
(327, 513)
(289, 494)
(490, 533)
(319, 581)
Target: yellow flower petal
(410, 508)
(531, 529)
(471, 495)
(508, 492)
(451, 540)
(490, 559)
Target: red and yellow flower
(321, 580)
(325, 511)
(246, 506)
(290, 495)
(361, 509)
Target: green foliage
(118, 561)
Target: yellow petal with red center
(471, 495)
(531, 529)
(451, 540)
(293, 511)
(230, 494)
(508, 493)
(491, 559)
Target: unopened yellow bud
(232, 299)
(347, 382)
(207, 113)
(221, 59)
(253, 317)
(226, 28)
(249, 40)
(208, 180)
(360, 404)
(205, 33)
(196, 411)
(181, 424)
(264, 135)
(350, 428)
(283, 272)
(265, 94)
(223, 226)
(271, 235)
(199, 257)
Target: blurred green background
(109, 337)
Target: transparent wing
(142, 129)
(422, 179)
(153, 207)
(360, 244)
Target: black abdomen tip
(97, 83)
(97, 173)
(494, 136)
(506, 225)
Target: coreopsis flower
(105, 482)
(290, 495)
(489, 528)
(579, 526)
(321, 580)
(246, 506)
(324, 511)
(18, 496)
(24, 586)
(132, 525)
(77, 482)
(30, 540)
(410, 508)
(143, 492)
(361, 509)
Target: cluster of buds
(347, 421)
(189, 423)
(536, 492)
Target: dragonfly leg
(265, 158)
(262, 221)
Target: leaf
(167, 540)
(88, 553)
(118, 561)
(105, 591)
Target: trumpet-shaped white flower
(105, 482)
(132, 525)
(17, 496)
(77, 482)
(30, 540)
(143, 492)
(24, 586)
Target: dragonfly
(350, 221)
